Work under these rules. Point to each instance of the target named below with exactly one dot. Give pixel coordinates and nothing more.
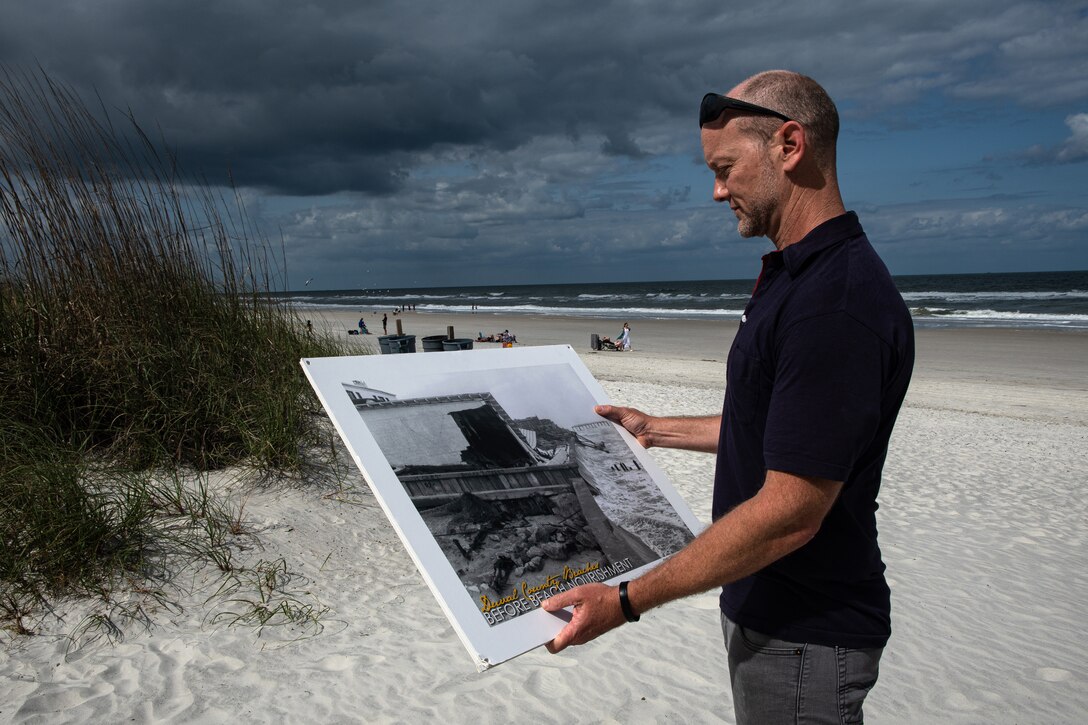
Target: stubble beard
(755, 219)
(755, 222)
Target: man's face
(744, 176)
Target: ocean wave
(388, 300)
(925, 315)
(1014, 300)
(999, 296)
(613, 312)
(1040, 316)
(671, 296)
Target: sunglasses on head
(714, 104)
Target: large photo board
(501, 481)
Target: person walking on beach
(815, 378)
(385, 324)
(623, 342)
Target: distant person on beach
(623, 342)
(362, 327)
(385, 324)
(815, 378)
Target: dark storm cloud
(310, 98)
(536, 136)
(354, 88)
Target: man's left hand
(596, 611)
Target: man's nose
(721, 191)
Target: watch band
(625, 604)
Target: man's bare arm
(782, 517)
(692, 434)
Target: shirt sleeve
(826, 400)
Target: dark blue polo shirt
(814, 381)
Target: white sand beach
(983, 522)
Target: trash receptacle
(383, 343)
(397, 344)
(433, 343)
(457, 343)
(594, 342)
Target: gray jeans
(775, 681)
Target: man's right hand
(635, 421)
(692, 434)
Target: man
(814, 382)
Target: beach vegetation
(267, 595)
(141, 345)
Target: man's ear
(794, 144)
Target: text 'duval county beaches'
(524, 598)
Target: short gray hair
(802, 99)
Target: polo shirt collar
(832, 232)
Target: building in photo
(506, 500)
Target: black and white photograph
(517, 489)
(520, 504)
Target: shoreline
(1015, 372)
(1055, 300)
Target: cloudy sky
(421, 143)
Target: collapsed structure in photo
(521, 508)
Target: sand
(982, 519)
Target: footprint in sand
(336, 663)
(960, 702)
(547, 686)
(224, 664)
(1053, 674)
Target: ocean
(1021, 299)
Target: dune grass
(139, 338)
